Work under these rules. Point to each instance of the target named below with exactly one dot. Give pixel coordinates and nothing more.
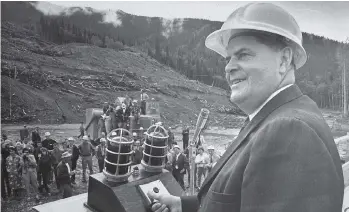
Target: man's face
(39, 144)
(176, 150)
(201, 151)
(251, 70)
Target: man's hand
(166, 202)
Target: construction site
(122, 115)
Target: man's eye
(242, 56)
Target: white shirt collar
(252, 115)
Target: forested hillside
(179, 43)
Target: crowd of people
(39, 164)
(117, 115)
(177, 161)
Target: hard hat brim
(218, 42)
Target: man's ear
(286, 59)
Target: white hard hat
(210, 147)
(134, 134)
(85, 138)
(113, 134)
(47, 133)
(176, 146)
(103, 140)
(141, 128)
(263, 17)
(70, 139)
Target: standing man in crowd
(29, 169)
(64, 173)
(24, 133)
(36, 136)
(200, 163)
(101, 154)
(56, 158)
(74, 159)
(44, 160)
(87, 151)
(284, 158)
(185, 134)
(213, 157)
(179, 165)
(48, 142)
(144, 99)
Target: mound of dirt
(52, 83)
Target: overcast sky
(329, 19)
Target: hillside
(178, 43)
(50, 82)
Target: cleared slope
(55, 80)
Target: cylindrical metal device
(155, 148)
(118, 157)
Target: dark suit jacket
(182, 163)
(284, 160)
(63, 176)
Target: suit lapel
(280, 99)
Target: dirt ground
(214, 136)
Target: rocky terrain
(54, 84)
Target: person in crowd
(81, 129)
(64, 173)
(45, 166)
(185, 134)
(74, 160)
(137, 152)
(36, 136)
(105, 107)
(284, 158)
(144, 99)
(3, 137)
(29, 169)
(101, 125)
(213, 157)
(24, 133)
(200, 163)
(37, 154)
(87, 151)
(170, 138)
(28, 145)
(135, 111)
(101, 154)
(96, 142)
(112, 114)
(107, 120)
(179, 165)
(56, 158)
(48, 142)
(123, 115)
(19, 148)
(5, 183)
(13, 166)
(169, 159)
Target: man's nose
(231, 66)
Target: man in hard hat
(284, 159)
(100, 154)
(213, 157)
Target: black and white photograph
(174, 106)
